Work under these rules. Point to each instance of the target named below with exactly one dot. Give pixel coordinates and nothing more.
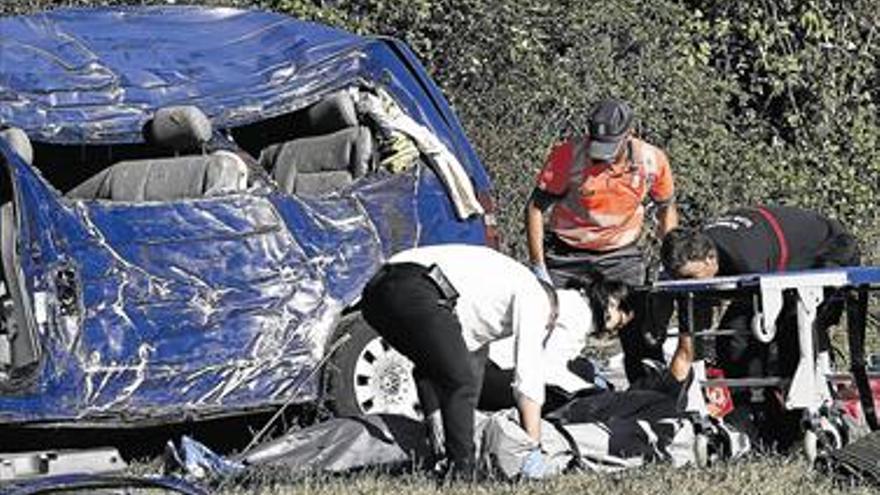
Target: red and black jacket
(779, 238)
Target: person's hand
(534, 467)
(540, 271)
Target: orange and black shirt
(601, 206)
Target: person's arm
(680, 366)
(667, 218)
(663, 194)
(551, 185)
(539, 202)
(530, 417)
(530, 310)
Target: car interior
(190, 173)
(314, 151)
(311, 152)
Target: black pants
(408, 311)
(626, 264)
(497, 390)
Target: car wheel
(366, 376)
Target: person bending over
(762, 239)
(440, 306)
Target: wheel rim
(383, 381)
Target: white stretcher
(809, 389)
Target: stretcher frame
(809, 390)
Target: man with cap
(595, 185)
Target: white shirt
(568, 340)
(498, 298)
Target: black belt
(445, 289)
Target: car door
(198, 305)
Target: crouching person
(567, 369)
(763, 240)
(441, 306)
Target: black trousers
(405, 307)
(626, 264)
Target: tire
(366, 376)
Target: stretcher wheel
(701, 449)
(811, 445)
(821, 440)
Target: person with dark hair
(594, 187)
(618, 311)
(440, 306)
(761, 240)
(567, 370)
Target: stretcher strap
(780, 237)
(577, 461)
(856, 310)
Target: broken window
(19, 350)
(314, 151)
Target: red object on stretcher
(847, 395)
(719, 401)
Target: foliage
(755, 101)
(808, 70)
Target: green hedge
(755, 101)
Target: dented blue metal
(158, 311)
(84, 483)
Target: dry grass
(756, 477)
(768, 475)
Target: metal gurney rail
(809, 388)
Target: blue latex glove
(540, 271)
(599, 378)
(534, 467)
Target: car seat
(191, 173)
(317, 165)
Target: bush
(755, 101)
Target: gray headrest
(333, 113)
(182, 128)
(19, 142)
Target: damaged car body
(192, 200)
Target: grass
(762, 475)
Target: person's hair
(599, 291)
(682, 245)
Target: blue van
(191, 200)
